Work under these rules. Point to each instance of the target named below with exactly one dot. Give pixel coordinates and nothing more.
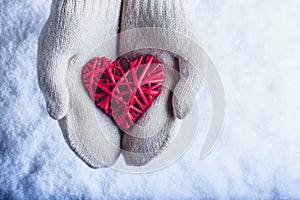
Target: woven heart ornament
(123, 89)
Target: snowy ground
(255, 46)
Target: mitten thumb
(186, 89)
(51, 76)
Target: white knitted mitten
(73, 30)
(161, 121)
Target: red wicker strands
(123, 89)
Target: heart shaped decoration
(123, 89)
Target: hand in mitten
(73, 30)
(159, 125)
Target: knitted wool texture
(74, 29)
(160, 124)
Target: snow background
(255, 47)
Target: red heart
(123, 89)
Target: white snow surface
(255, 47)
